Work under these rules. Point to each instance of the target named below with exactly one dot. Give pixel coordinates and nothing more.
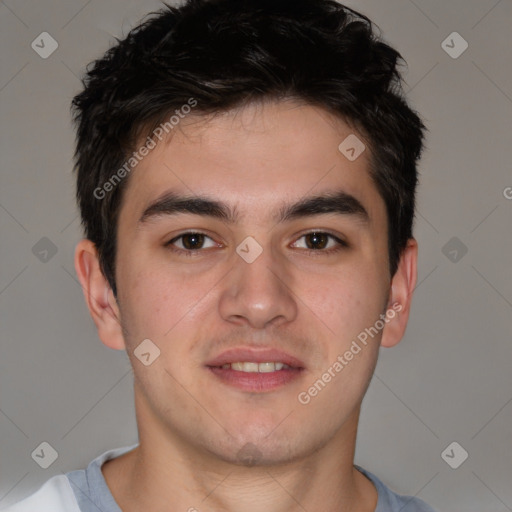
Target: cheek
(160, 302)
(346, 301)
(149, 303)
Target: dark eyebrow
(338, 202)
(172, 204)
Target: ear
(98, 295)
(400, 296)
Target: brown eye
(191, 242)
(320, 242)
(317, 240)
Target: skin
(192, 426)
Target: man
(246, 174)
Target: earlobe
(98, 295)
(400, 297)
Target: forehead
(253, 158)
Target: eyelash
(312, 252)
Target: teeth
(245, 367)
(267, 367)
(250, 367)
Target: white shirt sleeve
(56, 495)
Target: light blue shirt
(85, 490)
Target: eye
(189, 242)
(319, 241)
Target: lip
(246, 354)
(255, 382)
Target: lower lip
(255, 381)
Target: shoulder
(75, 491)
(390, 501)
(55, 495)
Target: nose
(258, 293)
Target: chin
(252, 448)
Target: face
(280, 266)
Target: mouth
(254, 367)
(255, 370)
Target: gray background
(449, 380)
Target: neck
(166, 473)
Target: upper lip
(248, 354)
